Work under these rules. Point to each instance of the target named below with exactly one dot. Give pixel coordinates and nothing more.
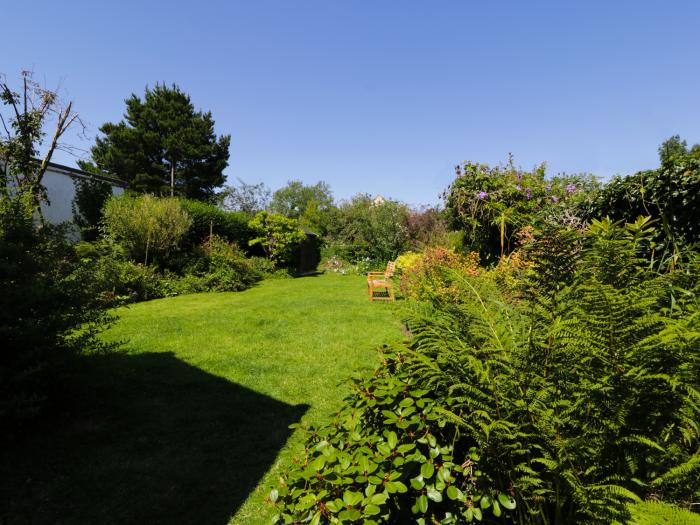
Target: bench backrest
(390, 267)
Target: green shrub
(208, 218)
(90, 197)
(348, 258)
(114, 278)
(267, 268)
(277, 235)
(670, 195)
(149, 228)
(387, 457)
(217, 266)
(46, 313)
(576, 400)
(362, 229)
(490, 204)
(228, 269)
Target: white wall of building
(60, 189)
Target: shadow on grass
(315, 273)
(149, 439)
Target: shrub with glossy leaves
(388, 457)
(90, 197)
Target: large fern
(584, 397)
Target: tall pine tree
(163, 146)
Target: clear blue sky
(384, 96)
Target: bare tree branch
(65, 119)
(33, 109)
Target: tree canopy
(293, 199)
(248, 198)
(163, 136)
(670, 195)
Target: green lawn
(188, 421)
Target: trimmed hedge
(231, 226)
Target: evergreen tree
(163, 146)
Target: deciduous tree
(293, 199)
(248, 198)
(28, 113)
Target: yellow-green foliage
(407, 260)
(658, 513)
(277, 234)
(147, 227)
(430, 273)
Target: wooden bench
(381, 281)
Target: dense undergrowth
(558, 396)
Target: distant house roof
(78, 173)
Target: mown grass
(188, 421)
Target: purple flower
(519, 187)
(554, 198)
(482, 195)
(519, 176)
(528, 193)
(570, 188)
(548, 188)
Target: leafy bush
(149, 228)
(115, 279)
(263, 265)
(90, 197)
(365, 229)
(277, 235)
(669, 194)
(309, 204)
(350, 256)
(432, 273)
(574, 402)
(491, 204)
(406, 261)
(387, 457)
(46, 313)
(216, 266)
(208, 218)
(227, 268)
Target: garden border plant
(575, 399)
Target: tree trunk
(172, 178)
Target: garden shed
(307, 254)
